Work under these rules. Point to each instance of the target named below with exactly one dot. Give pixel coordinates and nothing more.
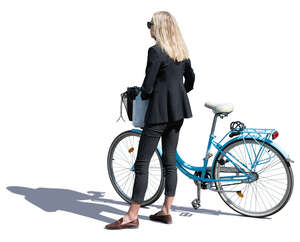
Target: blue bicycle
(252, 175)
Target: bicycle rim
(120, 161)
(273, 187)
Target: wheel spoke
(264, 195)
(122, 157)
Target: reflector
(275, 134)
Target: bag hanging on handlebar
(139, 111)
(127, 99)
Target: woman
(167, 63)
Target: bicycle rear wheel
(120, 164)
(272, 187)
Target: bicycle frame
(247, 133)
(260, 136)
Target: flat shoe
(161, 218)
(117, 224)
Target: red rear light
(275, 134)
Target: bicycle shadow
(54, 199)
(186, 211)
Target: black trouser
(147, 145)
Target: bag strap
(121, 115)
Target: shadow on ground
(54, 199)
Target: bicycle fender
(137, 131)
(270, 142)
(286, 156)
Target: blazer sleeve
(152, 68)
(189, 76)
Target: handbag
(139, 110)
(127, 98)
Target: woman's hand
(144, 95)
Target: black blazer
(163, 86)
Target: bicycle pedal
(196, 203)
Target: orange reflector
(131, 150)
(240, 194)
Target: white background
(63, 65)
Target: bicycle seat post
(211, 136)
(214, 124)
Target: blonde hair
(168, 36)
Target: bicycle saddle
(220, 108)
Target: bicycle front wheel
(268, 192)
(120, 164)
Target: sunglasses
(149, 24)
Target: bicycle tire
(127, 197)
(283, 161)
